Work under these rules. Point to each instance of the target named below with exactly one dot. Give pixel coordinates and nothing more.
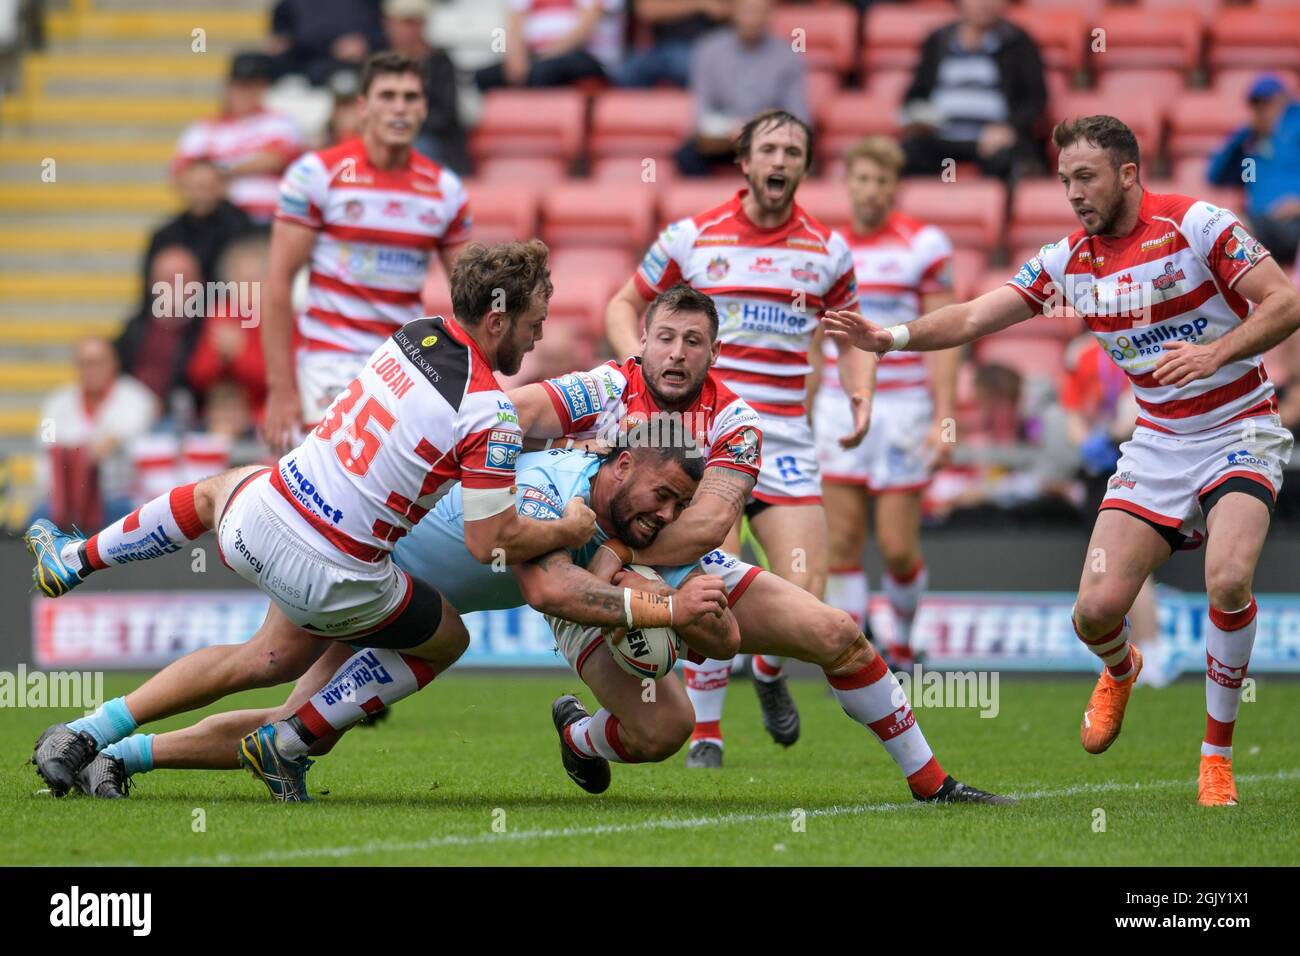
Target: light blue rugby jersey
(546, 481)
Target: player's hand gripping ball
(649, 651)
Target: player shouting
(903, 268)
(366, 214)
(1184, 300)
(771, 269)
(315, 533)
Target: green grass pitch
(474, 749)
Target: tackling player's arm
(508, 536)
(623, 320)
(702, 527)
(944, 328)
(291, 247)
(1276, 316)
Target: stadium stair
(106, 100)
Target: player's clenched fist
(858, 331)
(581, 521)
(698, 596)
(281, 421)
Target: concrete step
(15, 314)
(44, 239)
(21, 421)
(89, 220)
(114, 6)
(106, 289)
(156, 198)
(75, 170)
(125, 152)
(179, 86)
(55, 262)
(247, 26)
(39, 377)
(41, 69)
(84, 112)
(143, 48)
(34, 336)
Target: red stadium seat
(635, 170)
(892, 34)
(889, 85)
(1090, 10)
(828, 35)
(504, 211)
(521, 169)
(596, 213)
(1143, 116)
(1148, 39)
(1039, 214)
(581, 297)
(1235, 84)
(850, 115)
(1061, 36)
(1189, 173)
(690, 197)
(617, 264)
(1255, 39)
(534, 123)
(1200, 121)
(826, 200)
(1163, 85)
(968, 265)
(970, 212)
(640, 122)
(820, 85)
(1207, 10)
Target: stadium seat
(892, 34)
(970, 212)
(503, 211)
(534, 123)
(1234, 84)
(690, 197)
(1090, 10)
(591, 213)
(1207, 10)
(640, 122)
(635, 169)
(850, 115)
(617, 264)
(890, 86)
(825, 200)
(820, 86)
(1163, 85)
(1148, 39)
(1200, 121)
(1188, 173)
(1061, 36)
(1144, 116)
(581, 297)
(521, 169)
(1255, 39)
(829, 33)
(968, 265)
(1039, 214)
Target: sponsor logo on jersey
(502, 449)
(717, 240)
(1169, 278)
(1244, 457)
(242, 549)
(1148, 341)
(1159, 241)
(718, 267)
(1125, 285)
(369, 261)
(719, 558)
(807, 274)
(743, 447)
(395, 209)
(763, 265)
(429, 218)
(428, 340)
(655, 262)
(305, 491)
(353, 210)
(581, 394)
(1029, 273)
(1124, 479)
(293, 203)
(1243, 247)
(1213, 221)
(812, 245)
(535, 503)
(764, 317)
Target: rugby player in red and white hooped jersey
(1184, 300)
(904, 268)
(366, 214)
(771, 269)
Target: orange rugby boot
(1105, 714)
(1216, 787)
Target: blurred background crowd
(141, 145)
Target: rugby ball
(649, 651)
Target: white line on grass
(689, 823)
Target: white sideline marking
(690, 823)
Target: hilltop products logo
(76, 909)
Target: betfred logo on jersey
(535, 503)
(503, 448)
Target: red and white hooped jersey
(228, 140)
(1172, 278)
(378, 228)
(425, 412)
(612, 399)
(771, 287)
(895, 266)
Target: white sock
(597, 736)
(157, 528)
(370, 680)
(904, 596)
(847, 590)
(1229, 639)
(767, 668)
(706, 686)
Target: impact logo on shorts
(581, 393)
(502, 449)
(1244, 457)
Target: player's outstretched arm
(623, 321)
(703, 525)
(944, 328)
(508, 537)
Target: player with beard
(1184, 300)
(771, 270)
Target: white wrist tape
(627, 607)
(900, 335)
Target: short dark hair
(508, 273)
(774, 119)
(1105, 132)
(686, 454)
(387, 62)
(683, 298)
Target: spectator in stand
(977, 95)
(85, 433)
(675, 25)
(251, 145)
(1271, 142)
(230, 345)
(556, 43)
(317, 37)
(442, 137)
(345, 119)
(737, 73)
(157, 342)
(208, 224)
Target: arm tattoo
(731, 486)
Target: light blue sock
(135, 752)
(109, 724)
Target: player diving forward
(1184, 301)
(635, 492)
(315, 533)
